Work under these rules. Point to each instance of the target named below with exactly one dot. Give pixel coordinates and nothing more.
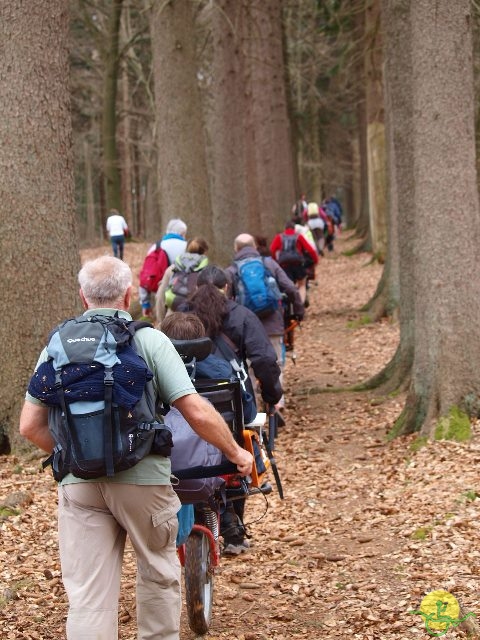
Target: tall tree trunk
(439, 166)
(362, 226)
(38, 250)
(375, 128)
(268, 129)
(182, 168)
(225, 112)
(91, 231)
(125, 152)
(401, 184)
(109, 114)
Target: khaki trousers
(94, 520)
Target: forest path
(366, 528)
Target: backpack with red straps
(153, 269)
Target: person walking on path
(117, 229)
(95, 516)
(237, 333)
(190, 264)
(245, 248)
(172, 244)
(293, 253)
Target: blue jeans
(117, 246)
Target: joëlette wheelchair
(200, 553)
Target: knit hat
(312, 209)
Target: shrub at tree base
(456, 426)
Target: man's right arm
(34, 426)
(209, 425)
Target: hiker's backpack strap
(107, 421)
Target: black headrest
(199, 348)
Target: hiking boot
(232, 549)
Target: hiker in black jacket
(229, 322)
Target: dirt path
(366, 529)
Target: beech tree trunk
(225, 117)
(436, 184)
(270, 164)
(375, 128)
(183, 189)
(109, 113)
(38, 251)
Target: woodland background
(222, 112)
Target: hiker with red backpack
(159, 257)
(294, 254)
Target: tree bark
(38, 250)
(270, 149)
(446, 222)
(109, 113)
(225, 122)
(430, 81)
(183, 183)
(375, 128)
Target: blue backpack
(256, 287)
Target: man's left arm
(34, 426)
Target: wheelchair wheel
(198, 582)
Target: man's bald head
(243, 240)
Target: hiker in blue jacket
(173, 243)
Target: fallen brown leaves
(367, 527)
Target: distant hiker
(117, 229)
(245, 253)
(317, 226)
(180, 278)
(334, 212)
(300, 210)
(95, 517)
(158, 258)
(294, 253)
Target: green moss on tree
(455, 426)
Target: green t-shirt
(170, 380)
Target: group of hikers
(104, 373)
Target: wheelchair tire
(198, 582)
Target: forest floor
(368, 526)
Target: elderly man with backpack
(260, 284)
(134, 497)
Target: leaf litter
(367, 528)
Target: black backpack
(289, 255)
(100, 397)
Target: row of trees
(220, 111)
